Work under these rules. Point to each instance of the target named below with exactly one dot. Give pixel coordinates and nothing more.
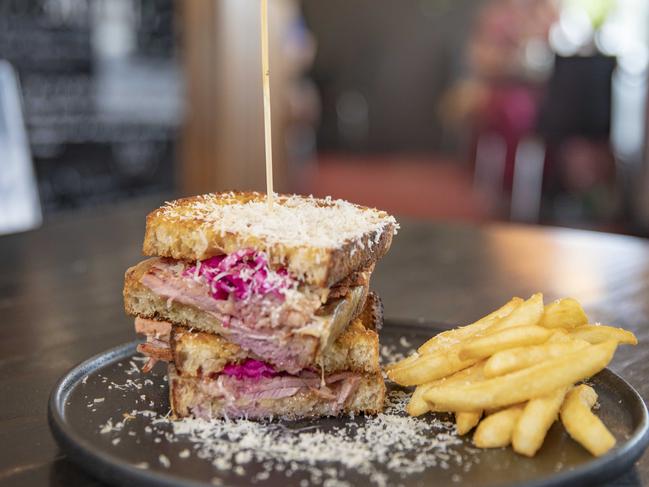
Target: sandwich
(241, 300)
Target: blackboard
(101, 95)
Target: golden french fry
(469, 375)
(491, 343)
(523, 385)
(518, 358)
(601, 333)
(496, 429)
(452, 337)
(527, 313)
(532, 426)
(403, 362)
(559, 335)
(465, 421)
(563, 313)
(582, 425)
(430, 367)
(417, 404)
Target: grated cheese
(390, 354)
(295, 220)
(377, 448)
(390, 442)
(164, 461)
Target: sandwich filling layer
(284, 395)
(206, 355)
(266, 311)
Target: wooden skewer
(265, 68)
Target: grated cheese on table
(390, 354)
(295, 220)
(401, 444)
(375, 447)
(164, 461)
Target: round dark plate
(104, 388)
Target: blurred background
(531, 111)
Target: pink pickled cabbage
(250, 369)
(243, 273)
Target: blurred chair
(20, 208)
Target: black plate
(99, 389)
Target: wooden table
(60, 303)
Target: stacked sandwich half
(262, 312)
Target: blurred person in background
(497, 100)
(546, 74)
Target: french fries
(528, 313)
(601, 333)
(518, 358)
(582, 425)
(465, 421)
(501, 340)
(526, 384)
(451, 337)
(496, 429)
(535, 421)
(402, 363)
(430, 367)
(563, 313)
(440, 357)
(518, 366)
(559, 335)
(418, 405)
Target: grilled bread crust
(372, 314)
(369, 398)
(184, 230)
(356, 349)
(200, 354)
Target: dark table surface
(60, 303)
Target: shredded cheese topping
(294, 221)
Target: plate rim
(114, 470)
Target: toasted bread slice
(190, 396)
(205, 354)
(319, 240)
